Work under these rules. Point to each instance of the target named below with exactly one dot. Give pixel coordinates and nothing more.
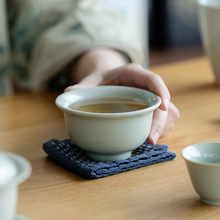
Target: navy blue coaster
(69, 156)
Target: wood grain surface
(160, 191)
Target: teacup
(14, 169)
(209, 15)
(203, 163)
(108, 136)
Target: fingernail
(74, 87)
(156, 136)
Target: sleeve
(5, 80)
(50, 34)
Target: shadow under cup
(209, 17)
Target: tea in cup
(203, 164)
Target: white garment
(46, 35)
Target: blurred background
(169, 29)
(173, 30)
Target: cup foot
(109, 157)
(210, 202)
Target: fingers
(136, 76)
(129, 75)
(157, 127)
(89, 81)
(163, 122)
(156, 85)
(172, 117)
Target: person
(79, 43)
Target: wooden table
(160, 191)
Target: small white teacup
(14, 170)
(203, 163)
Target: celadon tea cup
(203, 164)
(14, 170)
(209, 16)
(108, 136)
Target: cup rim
(183, 154)
(67, 109)
(24, 170)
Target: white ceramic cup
(203, 163)
(14, 170)
(209, 17)
(108, 136)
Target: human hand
(135, 75)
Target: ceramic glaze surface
(8, 170)
(108, 136)
(14, 170)
(203, 164)
(209, 14)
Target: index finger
(145, 79)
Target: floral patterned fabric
(39, 38)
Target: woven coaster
(69, 156)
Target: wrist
(97, 61)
